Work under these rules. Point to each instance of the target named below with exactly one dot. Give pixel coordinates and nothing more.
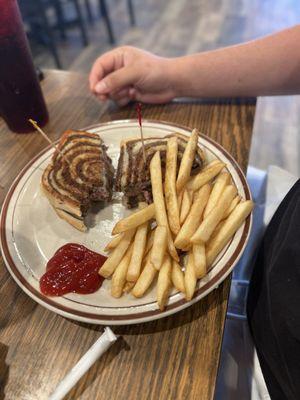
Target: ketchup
(73, 268)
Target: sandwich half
(78, 175)
(133, 174)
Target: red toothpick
(139, 114)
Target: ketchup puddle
(73, 268)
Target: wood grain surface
(173, 358)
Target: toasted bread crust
(77, 223)
(82, 175)
(56, 199)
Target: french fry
(222, 180)
(192, 221)
(139, 246)
(114, 242)
(119, 276)
(229, 210)
(145, 279)
(228, 229)
(208, 225)
(190, 279)
(185, 206)
(116, 255)
(135, 219)
(202, 212)
(159, 246)
(159, 202)
(128, 286)
(204, 176)
(149, 242)
(170, 185)
(187, 248)
(187, 160)
(199, 260)
(177, 277)
(179, 199)
(232, 206)
(217, 229)
(164, 282)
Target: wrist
(175, 75)
(182, 76)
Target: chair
(240, 376)
(40, 28)
(241, 274)
(105, 14)
(238, 312)
(131, 12)
(234, 378)
(62, 23)
(89, 11)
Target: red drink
(20, 93)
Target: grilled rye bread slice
(133, 175)
(83, 175)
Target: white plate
(31, 232)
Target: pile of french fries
(175, 240)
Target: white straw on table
(70, 380)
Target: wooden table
(173, 358)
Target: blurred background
(71, 34)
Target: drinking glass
(21, 97)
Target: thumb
(117, 80)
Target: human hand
(127, 73)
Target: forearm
(267, 66)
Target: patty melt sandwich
(133, 175)
(81, 173)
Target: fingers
(118, 95)
(121, 97)
(123, 75)
(102, 97)
(118, 80)
(154, 98)
(123, 102)
(109, 73)
(124, 96)
(107, 63)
